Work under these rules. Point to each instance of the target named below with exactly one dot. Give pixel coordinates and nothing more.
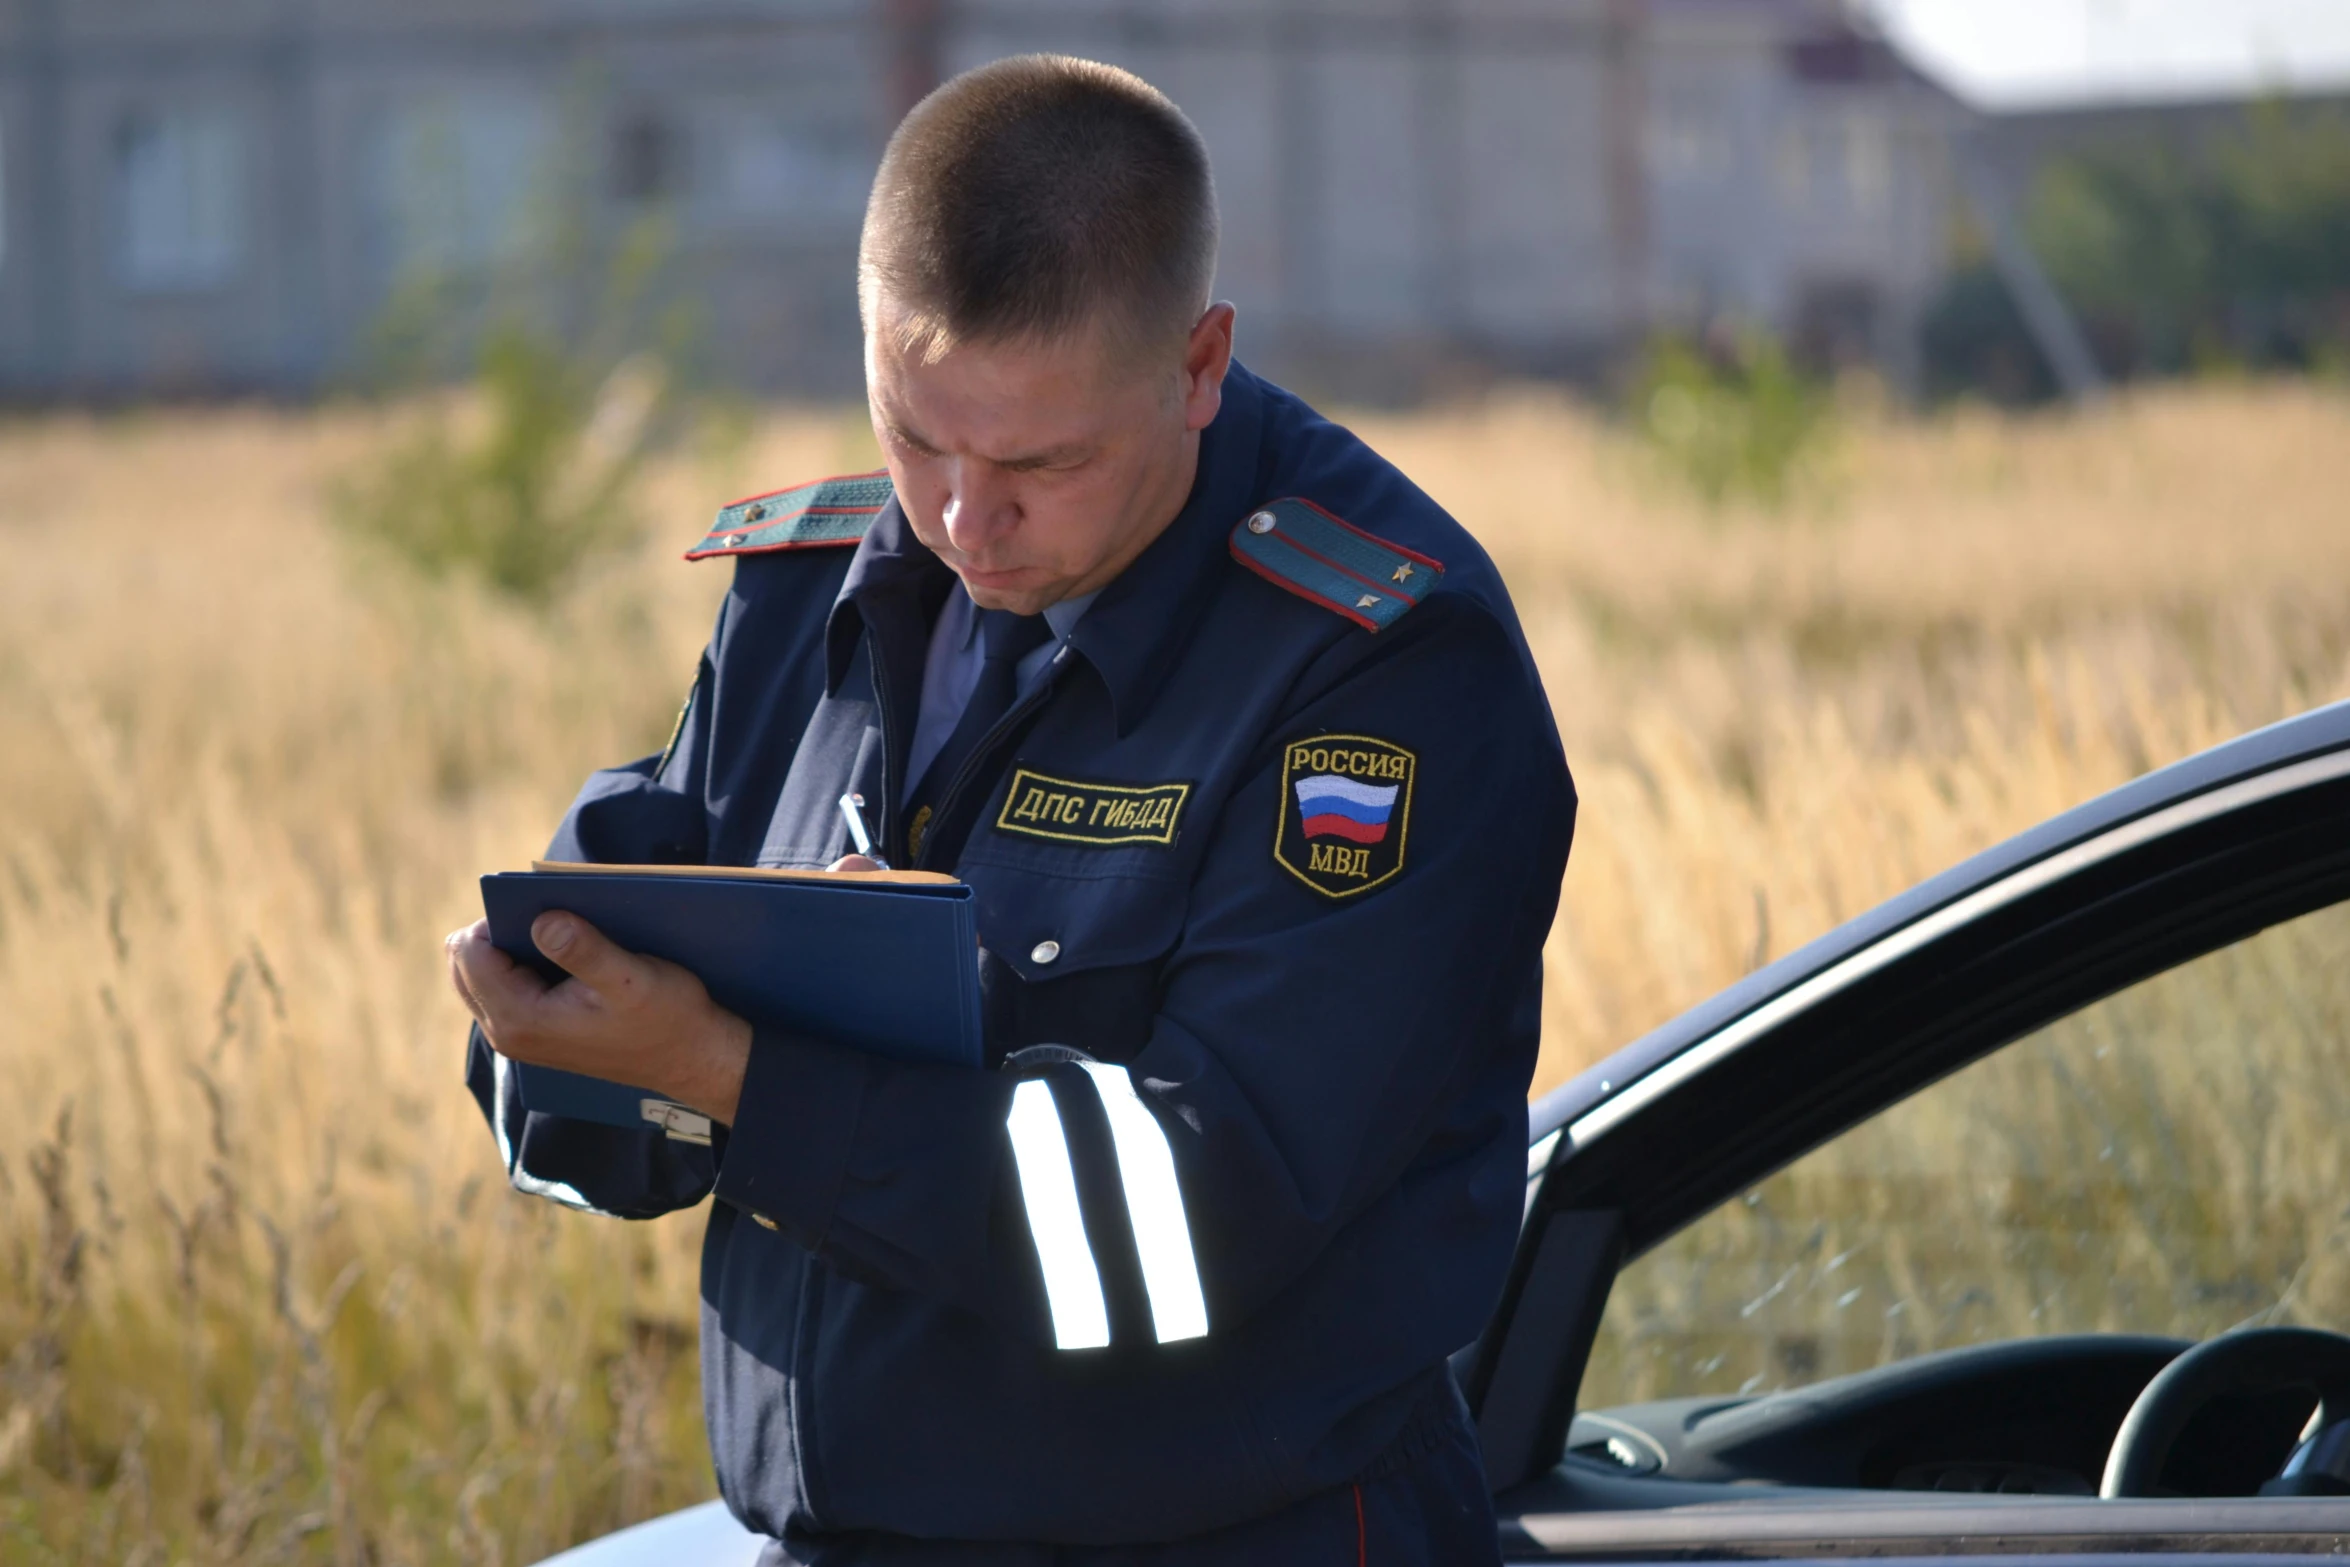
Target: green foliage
(522, 493)
(1973, 339)
(572, 343)
(1736, 421)
(2178, 256)
(2236, 253)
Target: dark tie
(1004, 639)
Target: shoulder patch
(1346, 811)
(826, 511)
(1295, 544)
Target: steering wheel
(2252, 1360)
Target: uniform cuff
(793, 1129)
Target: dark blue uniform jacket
(1271, 852)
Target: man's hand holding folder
(621, 1015)
(610, 1006)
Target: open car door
(1927, 1335)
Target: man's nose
(981, 505)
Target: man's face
(1039, 470)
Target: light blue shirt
(951, 670)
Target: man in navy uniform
(1236, 736)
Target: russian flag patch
(1346, 806)
(1335, 807)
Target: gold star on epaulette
(1403, 573)
(1367, 601)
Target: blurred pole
(912, 33)
(2054, 330)
(1298, 185)
(1444, 172)
(1626, 56)
(298, 179)
(49, 239)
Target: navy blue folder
(877, 962)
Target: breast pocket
(1073, 959)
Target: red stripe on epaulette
(699, 553)
(828, 513)
(793, 516)
(1303, 592)
(1385, 544)
(1348, 571)
(808, 484)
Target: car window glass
(2170, 1160)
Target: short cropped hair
(1035, 196)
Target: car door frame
(2179, 863)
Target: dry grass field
(263, 1296)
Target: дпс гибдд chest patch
(1066, 810)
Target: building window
(785, 176)
(1689, 145)
(1843, 161)
(648, 158)
(1794, 162)
(179, 200)
(456, 172)
(1868, 159)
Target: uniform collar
(1063, 617)
(1135, 627)
(892, 577)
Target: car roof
(2310, 734)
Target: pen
(857, 834)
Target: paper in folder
(885, 961)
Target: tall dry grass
(265, 1297)
(1776, 726)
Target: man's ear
(1206, 356)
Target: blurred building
(220, 197)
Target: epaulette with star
(1295, 544)
(806, 516)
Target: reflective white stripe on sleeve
(502, 1096)
(1154, 1204)
(1048, 1188)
